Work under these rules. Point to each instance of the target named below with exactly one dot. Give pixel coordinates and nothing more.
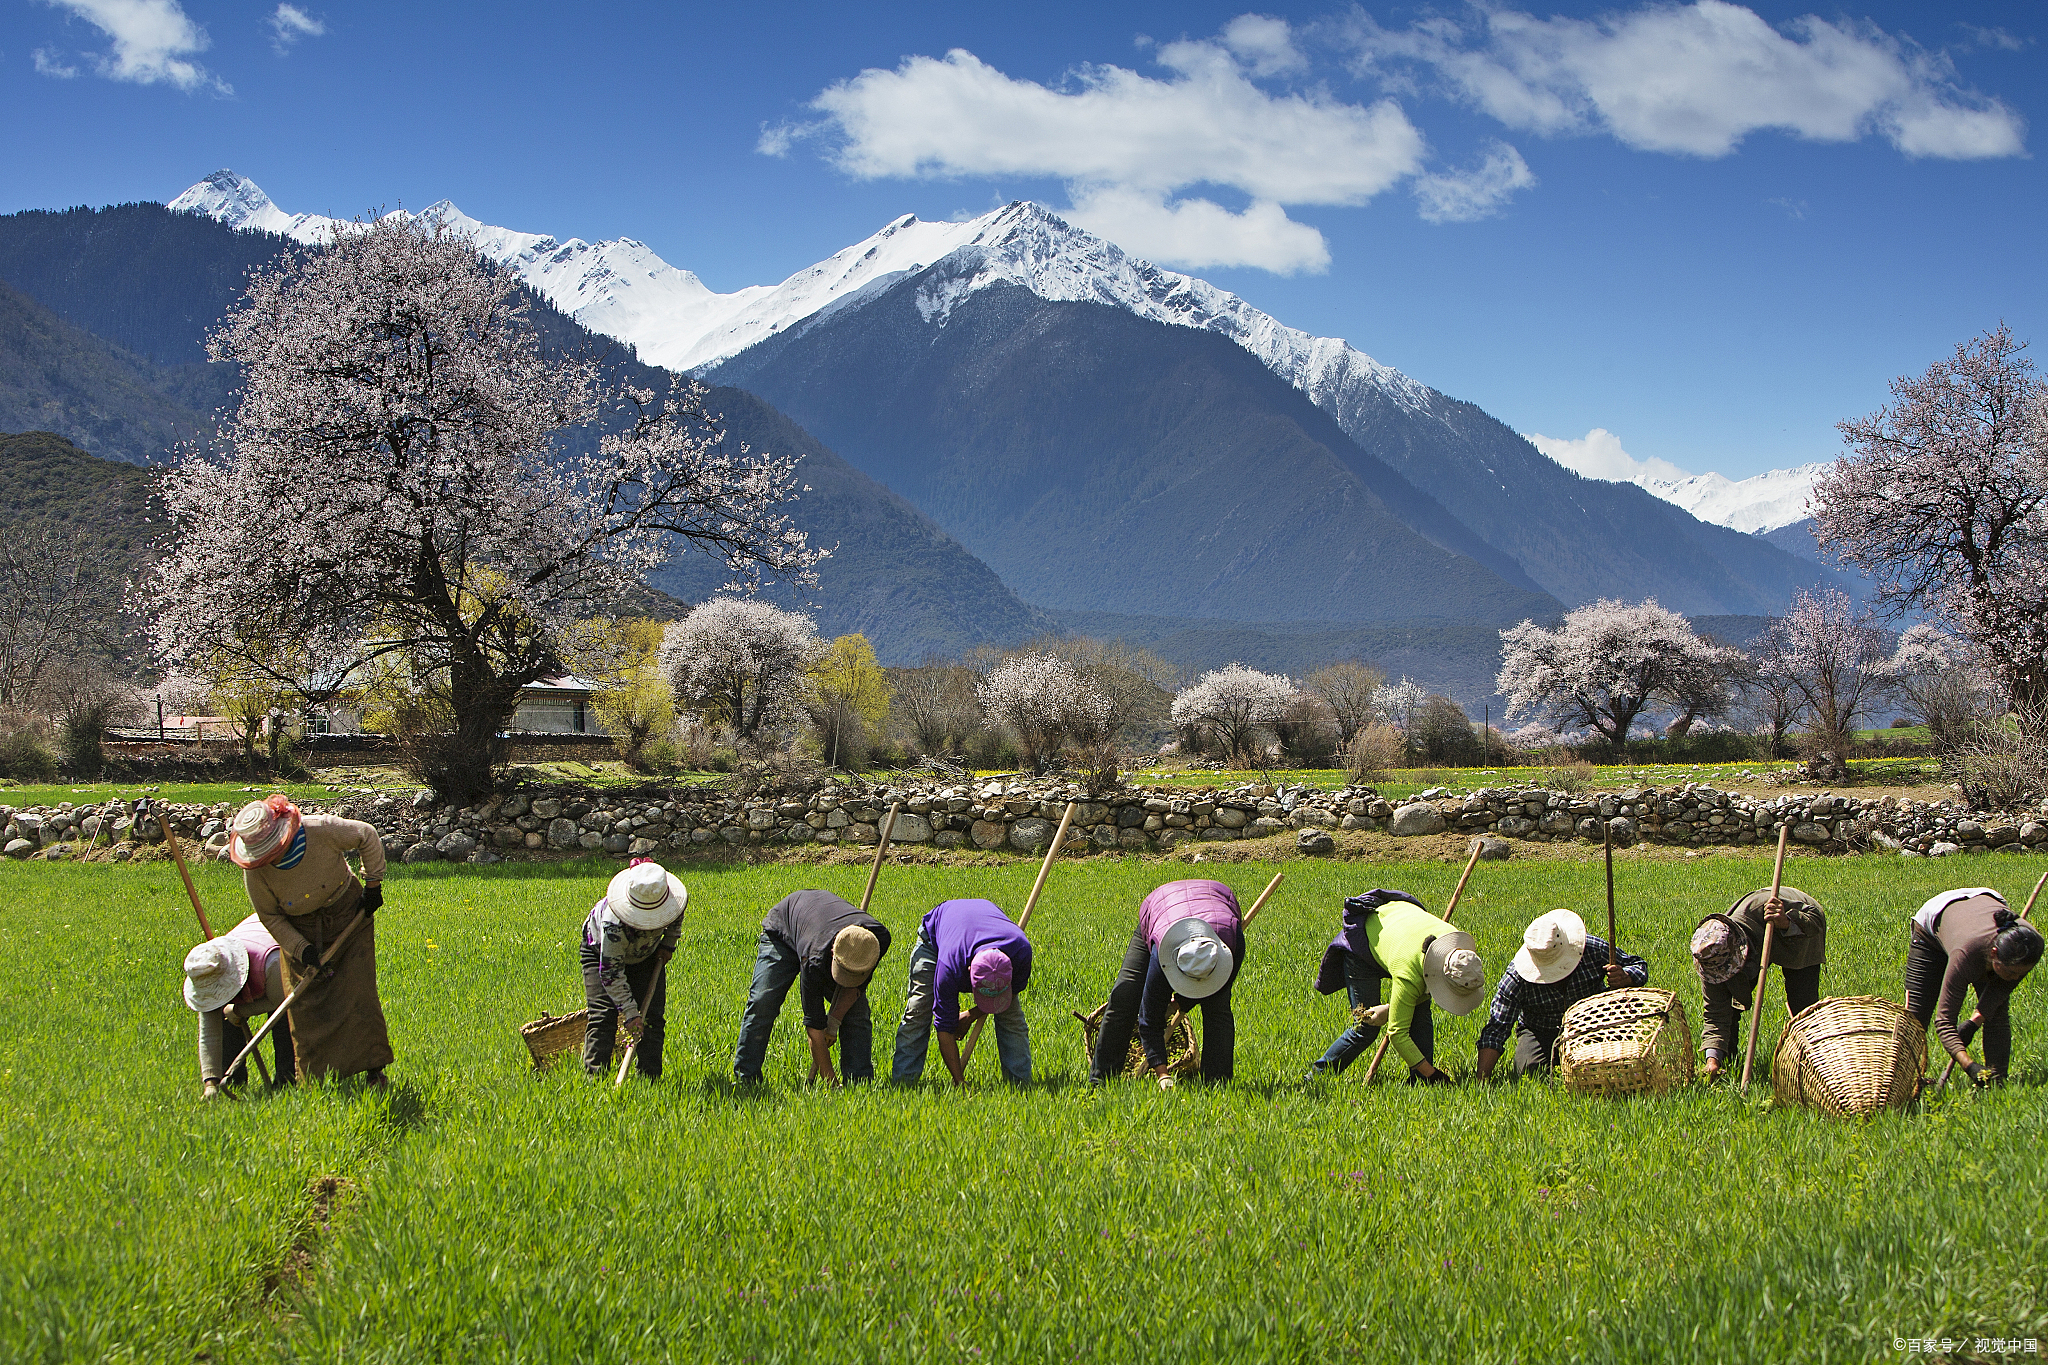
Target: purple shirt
(960, 929)
(1210, 901)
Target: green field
(478, 1213)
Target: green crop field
(476, 1212)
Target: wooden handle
(1030, 904)
(1607, 842)
(1373, 1069)
(881, 847)
(178, 857)
(333, 955)
(1260, 903)
(632, 1042)
(1763, 969)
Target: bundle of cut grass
(1633, 1041)
(1183, 1052)
(551, 1035)
(1850, 1056)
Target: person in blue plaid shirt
(1559, 965)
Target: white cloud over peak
(1598, 455)
(289, 23)
(1696, 79)
(152, 41)
(1129, 145)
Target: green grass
(488, 1215)
(1403, 782)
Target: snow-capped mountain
(624, 290)
(1763, 502)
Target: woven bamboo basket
(1634, 1041)
(1850, 1056)
(1183, 1052)
(551, 1035)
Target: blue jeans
(1362, 978)
(775, 970)
(914, 1034)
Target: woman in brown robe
(298, 878)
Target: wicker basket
(551, 1035)
(1850, 1056)
(1633, 1041)
(1183, 1052)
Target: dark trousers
(1362, 977)
(776, 969)
(1141, 999)
(601, 1025)
(233, 1038)
(1533, 1051)
(1926, 966)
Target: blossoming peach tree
(410, 480)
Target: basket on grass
(1183, 1053)
(1633, 1041)
(551, 1035)
(1850, 1056)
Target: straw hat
(1551, 947)
(1196, 962)
(1453, 972)
(990, 973)
(1719, 949)
(262, 830)
(646, 897)
(855, 951)
(215, 973)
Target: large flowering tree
(1831, 656)
(1234, 704)
(1608, 663)
(1044, 701)
(1943, 499)
(408, 478)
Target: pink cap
(989, 973)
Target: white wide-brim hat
(1551, 947)
(646, 896)
(215, 973)
(1454, 973)
(1196, 962)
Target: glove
(1975, 1072)
(372, 901)
(1437, 1077)
(1968, 1029)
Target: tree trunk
(464, 764)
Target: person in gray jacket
(1728, 951)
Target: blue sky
(1711, 231)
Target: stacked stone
(53, 833)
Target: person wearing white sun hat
(629, 935)
(229, 981)
(1189, 946)
(1428, 961)
(1558, 965)
(296, 870)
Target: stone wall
(1021, 817)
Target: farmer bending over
(296, 871)
(1186, 951)
(1388, 935)
(230, 980)
(1557, 966)
(963, 946)
(833, 946)
(1728, 949)
(1964, 939)
(628, 937)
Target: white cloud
(1466, 196)
(289, 23)
(1199, 234)
(152, 40)
(1128, 144)
(49, 63)
(1697, 79)
(1598, 455)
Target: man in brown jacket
(1728, 950)
(296, 871)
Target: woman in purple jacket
(1188, 947)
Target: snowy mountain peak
(1762, 502)
(623, 289)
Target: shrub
(1375, 750)
(1574, 776)
(25, 755)
(2003, 769)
